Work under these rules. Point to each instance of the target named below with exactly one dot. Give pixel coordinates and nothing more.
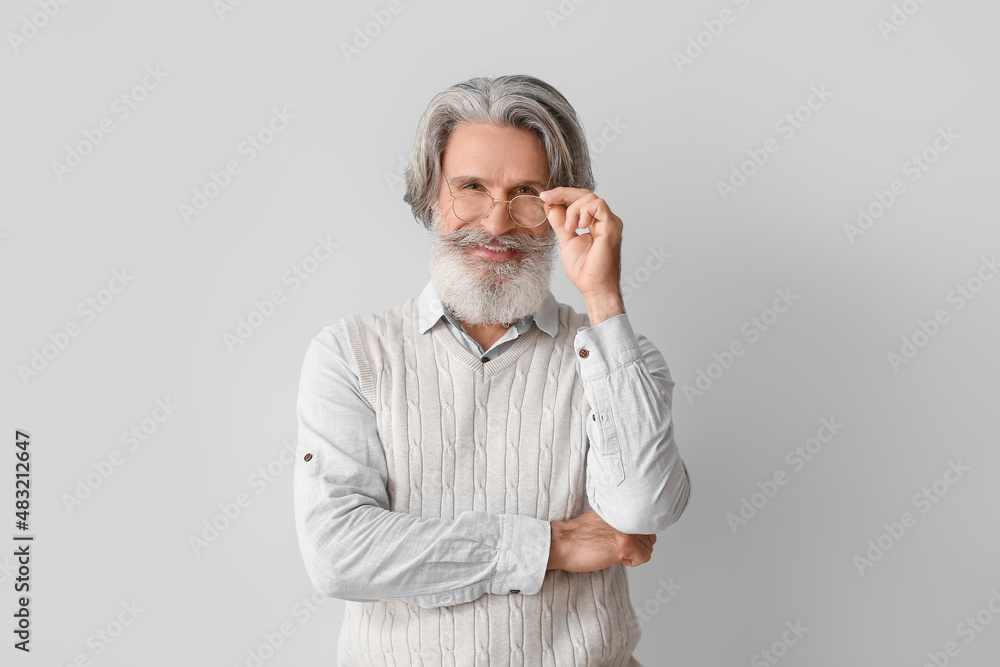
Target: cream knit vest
(505, 436)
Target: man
(476, 466)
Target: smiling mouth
(492, 251)
(495, 247)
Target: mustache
(524, 241)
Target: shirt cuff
(607, 346)
(524, 555)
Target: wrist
(555, 545)
(603, 305)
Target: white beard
(482, 291)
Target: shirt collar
(431, 309)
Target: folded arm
(355, 548)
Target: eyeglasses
(474, 205)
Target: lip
(489, 254)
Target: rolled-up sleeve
(355, 548)
(636, 479)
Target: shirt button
(308, 457)
(584, 353)
(485, 359)
(594, 417)
(515, 591)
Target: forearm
(367, 553)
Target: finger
(637, 558)
(563, 195)
(597, 216)
(556, 215)
(577, 208)
(588, 211)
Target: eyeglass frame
(493, 204)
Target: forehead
(495, 154)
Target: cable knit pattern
(506, 436)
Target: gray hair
(517, 101)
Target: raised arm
(636, 479)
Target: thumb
(557, 220)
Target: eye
(471, 185)
(525, 190)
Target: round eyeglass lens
(527, 210)
(472, 207)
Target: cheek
(448, 227)
(449, 224)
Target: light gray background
(334, 171)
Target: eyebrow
(466, 179)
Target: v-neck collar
(484, 369)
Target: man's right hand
(588, 544)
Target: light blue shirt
(626, 381)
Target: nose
(499, 222)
